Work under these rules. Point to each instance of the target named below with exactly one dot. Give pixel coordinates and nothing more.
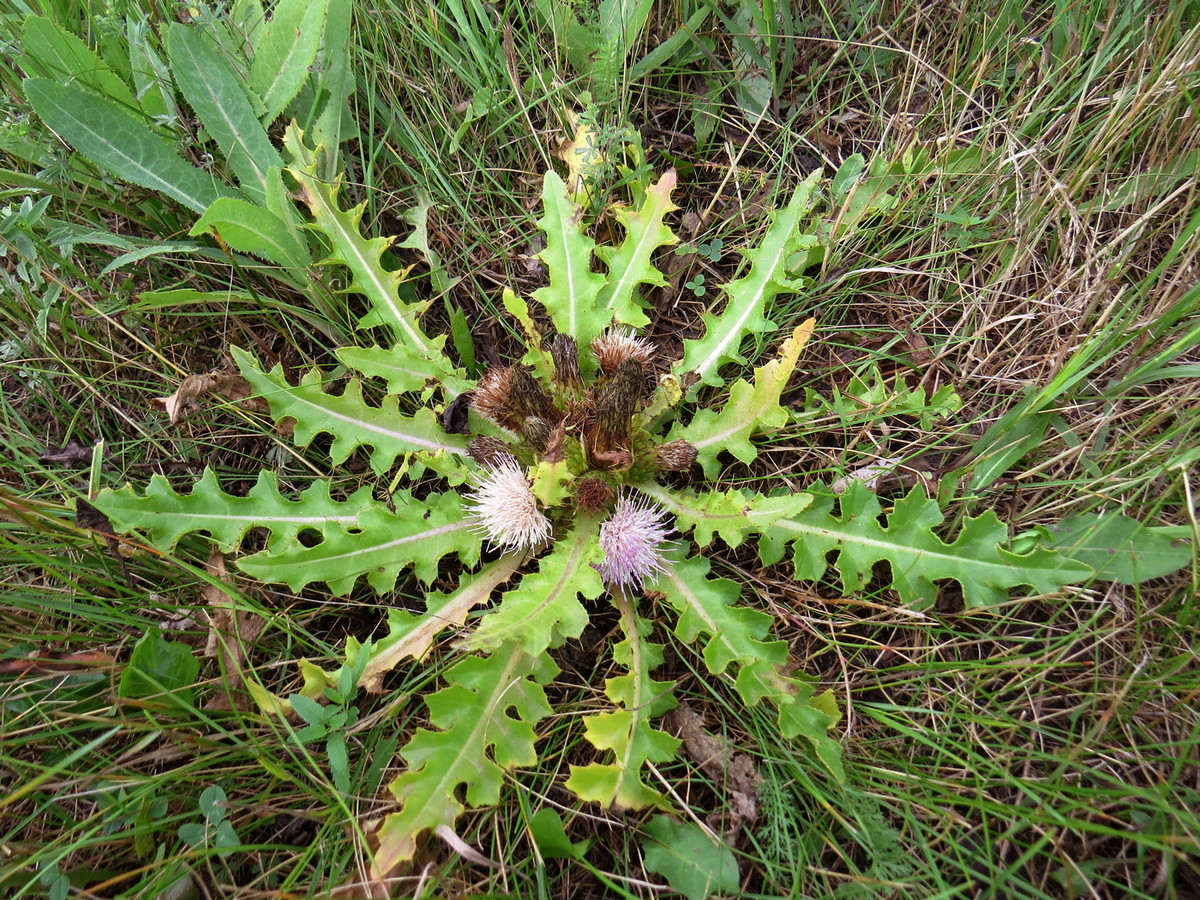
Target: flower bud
(674, 456)
(492, 398)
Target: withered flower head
(617, 345)
(510, 395)
(632, 540)
(492, 398)
(528, 397)
(610, 434)
(593, 494)
(506, 510)
(555, 451)
(565, 353)
(674, 455)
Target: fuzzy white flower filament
(506, 509)
(633, 541)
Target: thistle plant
(582, 475)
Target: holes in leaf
(310, 537)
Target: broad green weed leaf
(734, 636)
(548, 832)
(121, 144)
(484, 719)
(1003, 445)
(150, 75)
(1119, 548)
(158, 248)
(335, 123)
(65, 59)
(751, 408)
(747, 296)
(160, 669)
(362, 256)
(402, 370)
(248, 228)
(689, 858)
(410, 636)
(215, 93)
(732, 514)
(847, 176)
(284, 49)
(571, 296)
(619, 26)
(536, 356)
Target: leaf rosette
(562, 489)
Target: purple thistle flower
(632, 541)
(505, 508)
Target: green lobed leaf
(402, 370)
(380, 545)
(734, 635)
(977, 559)
(362, 256)
(748, 295)
(544, 606)
(750, 409)
(284, 49)
(477, 740)
(121, 144)
(248, 228)
(870, 397)
(627, 732)
(353, 423)
(149, 73)
(629, 263)
(693, 863)
(571, 297)
(732, 514)
(215, 92)
(165, 516)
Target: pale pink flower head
(633, 542)
(505, 508)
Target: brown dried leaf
(73, 454)
(184, 399)
(46, 662)
(735, 771)
(227, 383)
(230, 630)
